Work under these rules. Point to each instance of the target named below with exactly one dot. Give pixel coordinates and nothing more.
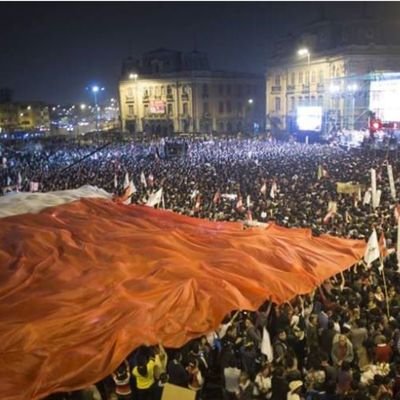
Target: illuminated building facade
(32, 116)
(331, 65)
(169, 91)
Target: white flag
(263, 189)
(273, 190)
(398, 244)
(367, 197)
(266, 347)
(126, 180)
(372, 250)
(378, 197)
(391, 181)
(143, 179)
(19, 179)
(229, 196)
(373, 188)
(8, 181)
(115, 181)
(248, 201)
(154, 199)
(4, 162)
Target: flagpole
(385, 286)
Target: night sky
(52, 51)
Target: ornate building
(330, 64)
(169, 91)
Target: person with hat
(295, 388)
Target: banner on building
(157, 107)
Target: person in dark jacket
(176, 371)
(280, 386)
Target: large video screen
(309, 118)
(384, 99)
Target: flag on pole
(266, 347)
(249, 215)
(332, 210)
(248, 201)
(263, 189)
(143, 180)
(391, 181)
(19, 181)
(128, 192)
(398, 245)
(239, 205)
(198, 203)
(373, 187)
(155, 198)
(194, 194)
(382, 245)
(378, 197)
(150, 180)
(217, 197)
(367, 197)
(372, 250)
(274, 189)
(126, 181)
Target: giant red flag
(82, 284)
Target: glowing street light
(133, 76)
(250, 101)
(83, 106)
(95, 89)
(334, 88)
(304, 52)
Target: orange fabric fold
(85, 283)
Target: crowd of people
(340, 342)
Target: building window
(169, 90)
(221, 90)
(306, 100)
(300, 78)
(205, 108)
(320, 101)
(221, 107)
(169, 109)
(313, 100)
(228, 90)
(185, 108)
(130, 109)
(277, 104)
(205, 89)
(248, 89)
(130, 92)
(221, 126)
(320, 76)
(312, 76)
(146, 110)
(292, 103)
(239, 90)
(307, 76)
(300, 101)
(292, 78)
(228, 107)
(239, 107)
(277, 80)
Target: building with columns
(331, 64)
(169, 91)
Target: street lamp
(304, 53)
(95, 89)
(133, 76)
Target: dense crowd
(341, 342)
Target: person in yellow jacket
(146, 372)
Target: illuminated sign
(309, 118)
(384, 99)
(157, 107)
